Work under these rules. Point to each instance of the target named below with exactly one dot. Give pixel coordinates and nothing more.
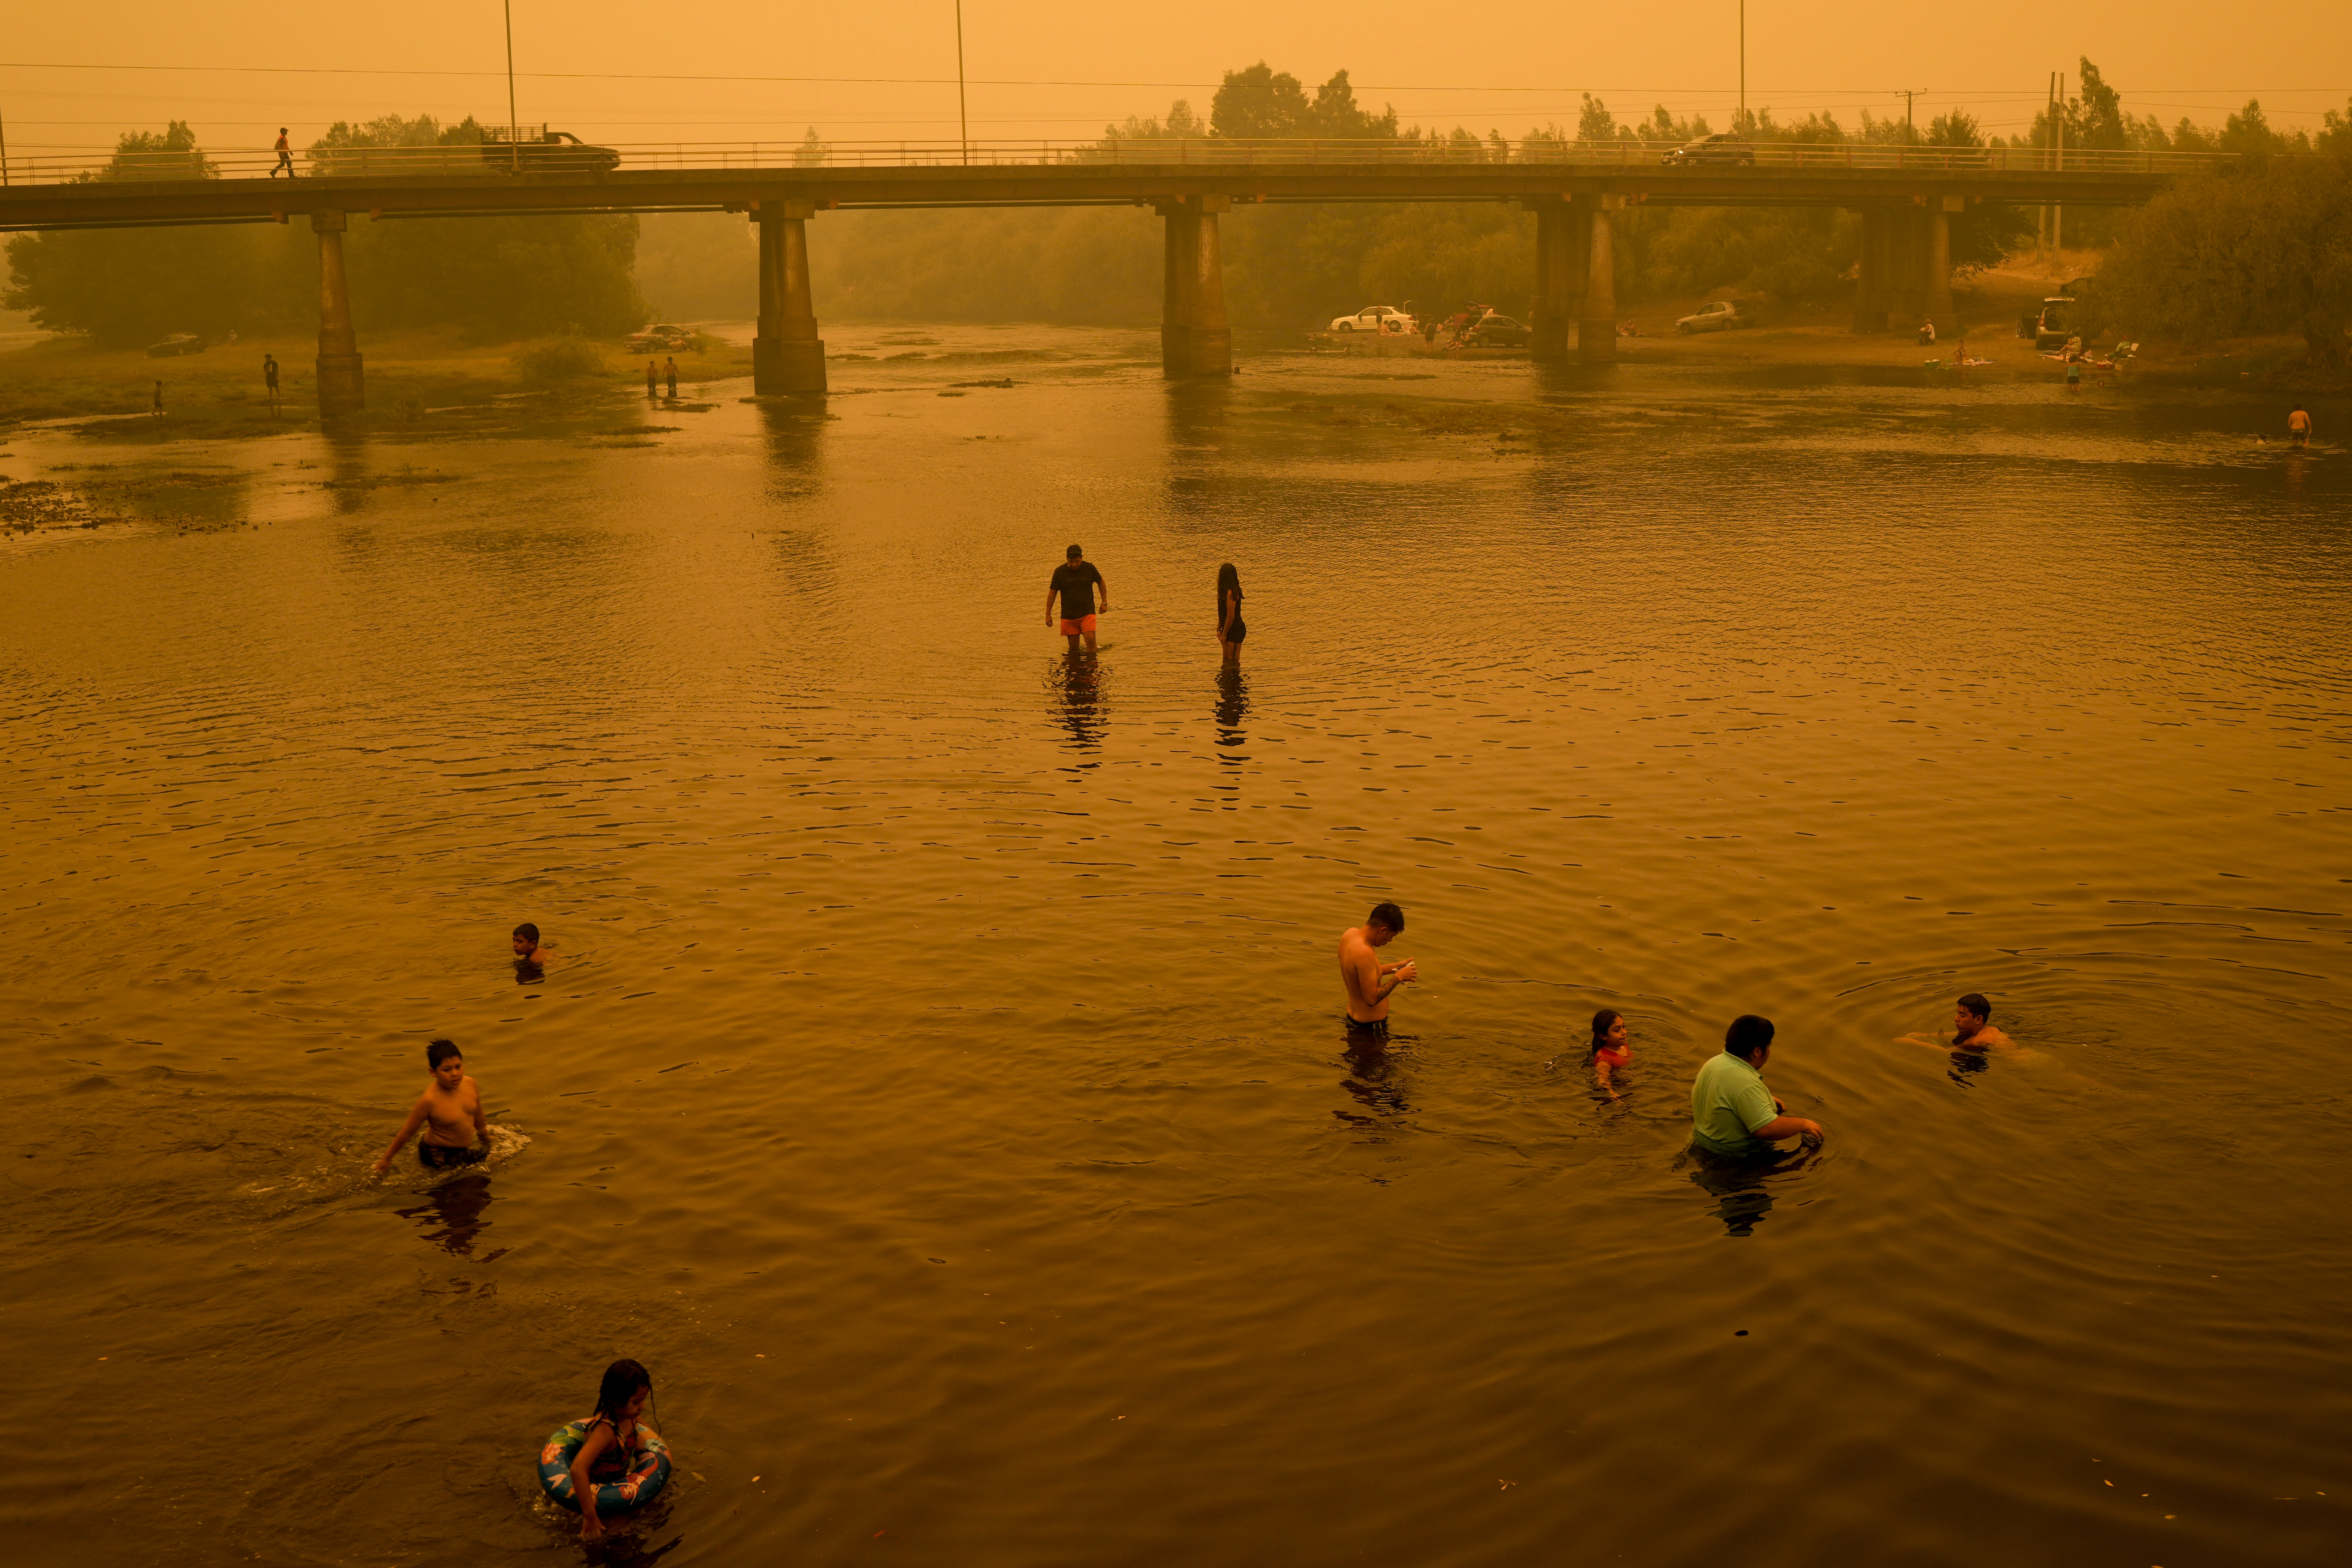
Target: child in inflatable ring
(614, 1444)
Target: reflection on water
(955, 1073)
(451, 1215)
(1077, 678)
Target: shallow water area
(939, 1084)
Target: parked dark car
(1721, 148)
(539, 151)
(1495, 331)
(178, 343)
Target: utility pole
(1741, 126)
(2057, 212)
(3, 149)
(1910, 132)
(514, 131)
(963, 116)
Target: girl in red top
(1611, 1048)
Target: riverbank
(220, 392)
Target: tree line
(496, 278)
(2256, 245)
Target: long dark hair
(1600, 1022)
(1228, 582)
(622, 1381)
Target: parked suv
(1720, 317)
(1721, 148)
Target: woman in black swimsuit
(1231, 627)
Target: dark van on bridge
(536, 150)
(1721, 148)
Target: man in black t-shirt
(1078, 582)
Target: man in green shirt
(1731, 1111)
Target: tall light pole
(1742, 124)
(963, 117)
(514, 130)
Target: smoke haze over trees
(1286, 266)
(495, 277)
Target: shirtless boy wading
(1369, 981)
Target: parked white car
(1720, 316)
(1376, 318)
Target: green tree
(1258, 103)
(2263, 245)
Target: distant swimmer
(1971, 1028)
(1076, 581)
(2298, 427)
(1231, 627)
(529, 949)
(1369, 981)
(450, 1111)
(1611, 1049)
(1732, 1112)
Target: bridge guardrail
(469, 158)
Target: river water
(940, 1086)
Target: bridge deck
(454, 180)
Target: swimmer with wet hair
(450, 1111)
(1611, 1046)
(614, 1439)
(527, 948)
(1971, 1028)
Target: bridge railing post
(342, 376)
(787, 355)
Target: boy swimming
(458, 1133)
(527, 948)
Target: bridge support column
(1194, 338)
(1907, 268)
(1562, 253)
(1870, 282)
(342, 377)
(1596, 318)
(1936, 285)
(787, 356)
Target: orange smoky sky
(884, 70)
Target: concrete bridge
(1906, 196)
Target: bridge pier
(787, 355)
(1936, 292)
(342, 377)
(1869, 281)
(1194, 336)
(1596, 316)
(1562, 253)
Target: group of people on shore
(1733, 1114)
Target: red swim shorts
(1085, 626)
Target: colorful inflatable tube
(640, 1486)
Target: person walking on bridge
(284, 156)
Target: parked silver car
(1720, 317)
(1376, 318)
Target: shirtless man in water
(452, 1103)
(1971, 1028)
(1369, 981)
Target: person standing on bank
(1731, 1111)
(1075, 580)
(1231, 627)
(670, 374)
(269, 379)
(653, 379)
